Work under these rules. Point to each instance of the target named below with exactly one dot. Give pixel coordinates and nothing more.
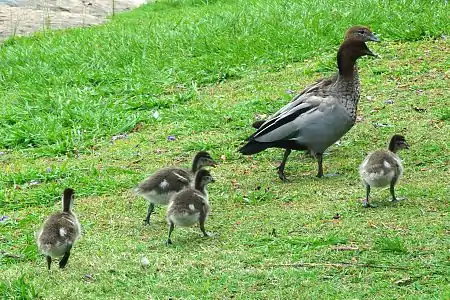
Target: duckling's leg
(393, 181)
(201, 222)
(366, 203)
(65, 258)
(283, 163)
(151, 206)
(49, 261)
(319, 163)
(171, 226)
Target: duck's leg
(319, 163)
(49, 261)
(391, 188)
(151, 206)
(283, 164)
(65, 258)
(171, 227)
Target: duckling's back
(165, 180)
(185, 207)
(380, 168)
(59, 231)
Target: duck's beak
(374, 38)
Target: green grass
(78, 89)
(207, 95)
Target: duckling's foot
(366, 204)
(331, 175)
(147, 222)
(399, 199)
(209, 234)
(168, 242)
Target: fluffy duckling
(383, 167)
(322, 113)
(59, 232)
(191, 205)
(162, 185)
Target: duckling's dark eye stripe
(278, 122)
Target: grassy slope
(105, 263)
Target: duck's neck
(347, 83)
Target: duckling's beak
(213, 163)
(406, 145)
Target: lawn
(93, 109)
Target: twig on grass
(9, 255)
(337, 265)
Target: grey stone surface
(22, 17)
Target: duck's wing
(315, 89)
(321, 84)
(286, 122)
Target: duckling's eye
(361, 31)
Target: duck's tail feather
(253, 147)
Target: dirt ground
(21, 17)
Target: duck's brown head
(361, 33)
(354, 47)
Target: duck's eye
(361, 31)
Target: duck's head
(398, 142)
(203, 159)
(354, 47)
(360, 33)
(203, 177)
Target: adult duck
(322, 113)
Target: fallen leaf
(403, 281)
(119, 137)
(381, 125)
(419, 109)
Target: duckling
(59, 232)
(383, 167)
(163, 184)
(322, 113)
(191, 205)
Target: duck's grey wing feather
(316, 123)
